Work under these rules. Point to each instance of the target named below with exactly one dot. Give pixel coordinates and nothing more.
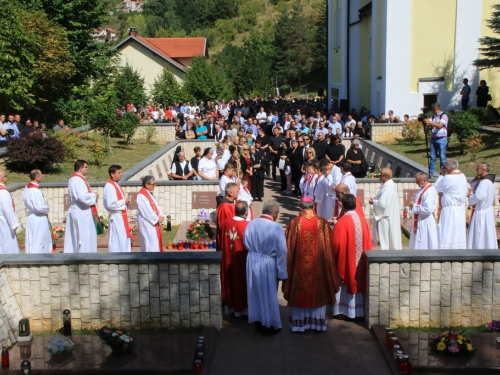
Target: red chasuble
(350, 239)
(225, 211)
(361, 214)
(233, 265)
(147, 195)
(312, 277)
(93, 208)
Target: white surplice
(482, 232)
(117, 233)
(80, 235)
(337, 178)
(452, 228)
(266, 263)
(386, 220)
(245, 195)
(426, 236)
(148, 238)
(224, 180)
(38, 238)
(350, 181)
(308, 185)
(324, 197)
(8, 224)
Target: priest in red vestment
(234, 262)
(225, 210)
(312, 281)
(350, 239)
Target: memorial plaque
(133, 201)
(204, 199)
(67, 202)
(409, 196)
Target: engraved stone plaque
(204, 199)
(409, 196)
(133, 201)
(67, 202)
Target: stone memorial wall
(164, 132)
(432, 288)
(130, 291)
(382, 133)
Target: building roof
(172, 48)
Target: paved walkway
(345, 348)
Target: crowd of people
(15, 128)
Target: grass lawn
(124, 155)
(417, 151)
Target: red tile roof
(176, 47)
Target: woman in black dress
(335, 152)
(259, 167)
(195, 160)
(356, 157)
(293, 154)
(483, 93)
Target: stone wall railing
(164, 132)
(386, 132)
(158, 164)
(131, 291)
(432, 288)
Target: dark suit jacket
(320, 148)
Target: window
(429, 99)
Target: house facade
(402, 55)
(149, 56)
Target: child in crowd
(245, 195)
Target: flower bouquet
(494, 325)
(198, 230)
(118, 341)
(60, 345)
(56, 233)
(451, 343)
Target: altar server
(386, 222)
(482, 231)
(348, 178)
(38, 238)
(8, 219)
(82, 222)
(150, 217)
(266, 265)
(116, 202)
(452, 189)
(423, 234)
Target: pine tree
(301, 51)
(490, 46)
(281, 48)
(320, 41)
(166, 90)
(204, 82)
(129, 87)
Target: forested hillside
(252, 42)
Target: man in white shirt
(423, 234)
(334, 125)
(3, 131)
(321, 129)
(261, 116)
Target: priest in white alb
(116, 202)
(38, 238)
(82, 222)
(8, 219)
(482, 232)
(150, 217)
(386, 221)
(266, 265)
(348, 178)
(324, 196)
(452, 189)
(423, 233)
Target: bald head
(342, 188)
(387, 172)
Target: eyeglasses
(153, 184)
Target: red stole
(147, 194)
(31, 185)
(121, 195)
(13, 204)
(307, 259)
(415, 215)
(267, 218)
(93, 208)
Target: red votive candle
(5, 357)
(197, 366)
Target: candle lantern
(24, 327)
(169, 223)
(197, 366)
(26, 367)
(5, 358)
(67, 322)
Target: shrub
(34, 151)
(128, 125)
(412, 132)
(483, 115)
(150, 134)
(70, 142)
(465, 124)
(97, 150)
(474, 145)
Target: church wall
(159, 290)
(436, 288)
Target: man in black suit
(276, 151)
(210, 124)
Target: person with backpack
(439, 136)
